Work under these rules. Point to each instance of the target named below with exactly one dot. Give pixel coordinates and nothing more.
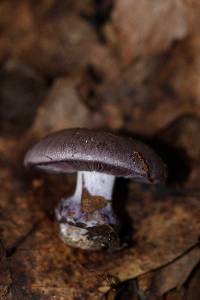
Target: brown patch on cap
(144, 165)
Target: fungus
(86, 218)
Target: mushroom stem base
(91, 238)
(87, 229)
(86, 218)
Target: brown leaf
(135, 98)
(145, 27)
(46, 268)
(176, 295)
(62, 108)
(53, 40)
(17, 219)
(172, 276)
(5, 276)
(193, 291)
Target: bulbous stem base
(87, 219)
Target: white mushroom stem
(97, 184)
(89, 229)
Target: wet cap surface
(81, 149)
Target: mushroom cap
(81, 149)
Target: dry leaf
(193, 292)
(5, 276)
(44, 268)
(53, 41)
(172, 276)
(147, 27)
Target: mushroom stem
(97, 184)
(87, 217)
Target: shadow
(126, 290)
(178, 166)
(176, 159)
(120, 198)
(100, 16)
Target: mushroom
(86, 219)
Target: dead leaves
(142, 27)
(136, 70)
(5, 276)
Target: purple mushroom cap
(81, 149)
